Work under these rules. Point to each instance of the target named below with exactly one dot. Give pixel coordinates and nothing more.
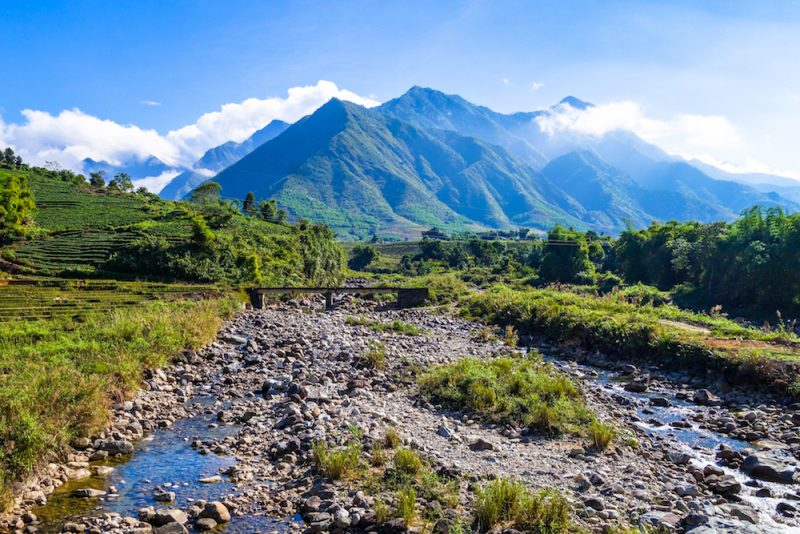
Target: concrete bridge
(406, 296)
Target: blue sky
(728, 69)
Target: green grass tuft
(505, 502)
(523, 390)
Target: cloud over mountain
(71, 136)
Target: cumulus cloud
(154, 184)
(535, 86)
(680, 133)
(72, 135)
(506, 82)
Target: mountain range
(431, 159)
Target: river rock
(166, 516)
(482, 444)
(768, 468)
(744, 513)
(205, 523)
(217, 511)
(706, 398)
(88, 493)
(114, 447)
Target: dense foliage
(753, 262)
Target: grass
(601, 435)
(522, 390)
(407, 462)
(375, 355)
(407, 505)
(391, 438)
(338, 463)
(613, 325)
(396, 325)
(60, 375)
(505, 502)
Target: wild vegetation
(509, 503)
(90, 229)
(60, 375)
(522, 390)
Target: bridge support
(328, 301)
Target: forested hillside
(57, 224)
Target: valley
(245, 411)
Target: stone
(678, 458)
(660, 402)
(637, 385)
(206, 523)
(706, 398)
(171, 528)
(115, 447)
(768, 468)
(742, 512)
(165, 516)
(445, 432)
(210, 480)
(88, 493)
(482, 444)
(595, 503)
(216, 511)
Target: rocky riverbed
(222, 439)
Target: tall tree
(121, 182)
(566, 256)
(249, 205)
(205, 193)
(97, 178)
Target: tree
(267, 210)
(281, 217)
(121, 182)
(206, 193)
(97, 179)
(9, 160)
(249, 205)
(362, 256)
(566, 256)
(16, 207)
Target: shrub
(407, 462)
(506, 501)
(601, 434)
(641, 295)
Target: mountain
(359, 171)
(427, 158)
(150, 166)
(216, 159)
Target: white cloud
(684, 132)
(72, 135)
(151, 103)
(749, 165)
(154, 184)
(535, 86)
(506, 82)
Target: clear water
(164, 456)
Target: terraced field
(43, 299)
(80, 232)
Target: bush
(525, 391)
(361, 256)
(643, 295)
(504, 501)
(382, 512)
(407, 462)
(338, 463)
(608, 282)
(601, 434)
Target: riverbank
(60, 376)
(278, 381)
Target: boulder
(217, 511)
(706, 398)
(769, 468)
